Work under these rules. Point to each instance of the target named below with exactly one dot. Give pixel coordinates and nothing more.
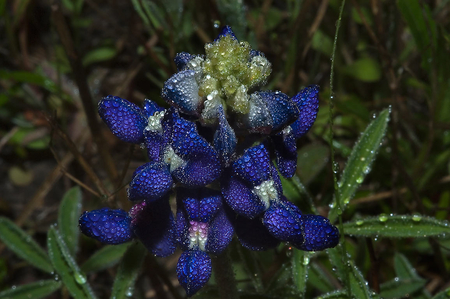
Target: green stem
(224, 274)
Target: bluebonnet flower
(224, 179)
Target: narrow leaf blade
(398, 226)
(104, 258)
(69, 212)
(65, 266)
(360, 161)
(300, 267)
(401, 288)
(128, 271)
(23, 245)
(36, 290)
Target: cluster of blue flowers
(213, 148)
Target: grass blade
(69, 212)
(36, 290)
(399, 226)
(401, 288)
(23, 245)
(104, 258)
(128, 271)
(300, 267)
(360, 161)
(66, 267)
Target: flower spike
(107, 226)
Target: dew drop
(416, 217)
(305, 260)
(80, 278)
(216, 24)
(359, 222)
(383, 218)
(360, 180)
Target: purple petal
(182, 227)
(282, 110)
(240, 198)
(202, 165)
(284, 221)
(154, 224)
(286, 153)
(181, 90)
(224, 138)
(201, 204)
(107, 226)
(220, 233)
(182, 59)
(307, 101)
(253, 234)
(151, 107)
(193, 270)
(155, 144)
(254, 166)
(125, 120)
(226, 30)
(319, 233)
(150, 182)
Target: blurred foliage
(390, 55)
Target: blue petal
(319, 233)
(154, 224)
(182, 227)
(254, 53)
(254, 166)
(151, 107)
(201, 204)
(155, 144)
(239, 196)
(307, 101)
(286, 153)
(224, 138)
(181, 90)
(125, 120)
(182, 59)
(226, 30)
(253, 234)
(283, 220)
(220, 233)
(258, 120)
(202, 165)
(193, 270)
(107, 226)
(150, 182)
(282, 110)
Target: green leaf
(403, 268)
(360, 161)
(23, 245)
(104, 258)
(401, 288)
(358, 285)
(99, 55)
(334, 295)
(364, 69)
(398, 226)
(312, 158)
(300, 267)
(128, 271)
(69, 212)
(319, 279)
(73, 279)
(34, 290)
(443, 295)
(322, 43)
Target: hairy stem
(224, 273)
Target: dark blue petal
(226, 30)
(182, 227)
(181, 90)
(307, 101)
(155, 144)
(193, 270)
(254, 53)
(201, 204)
(254, 166)
(125, 120)
(181, 59)
(150, 182)
(253, 234)
(282, 110)
(239, 196)
(154, 224)
(202, 165)
(258, 120)
(319, 233)
(224, 138)
(151, 107)
(286, 153)
(283, 220)
(220, 233)
(107, 226)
